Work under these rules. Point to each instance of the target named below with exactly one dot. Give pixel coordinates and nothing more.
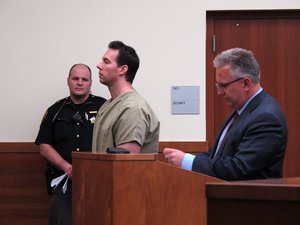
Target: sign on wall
(185, 100)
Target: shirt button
(78, 124)
(77, 149)
(77, 135)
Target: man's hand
(54, 158)
(174, 156)
(67, 168)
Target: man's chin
(79, 95)
(229, 104)
(103, 82)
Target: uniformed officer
(67, 126)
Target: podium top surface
(114, 157)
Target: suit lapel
(219, 135)
(250, 107)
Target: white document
(55, 182)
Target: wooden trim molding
(191, 147)
(186, 146)
(12, 147)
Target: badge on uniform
(92, 119)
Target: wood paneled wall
(23, 196)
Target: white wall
(40, 40)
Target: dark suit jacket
(254, 147)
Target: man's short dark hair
(127, 56)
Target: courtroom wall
(40, 40)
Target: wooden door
(273, 37)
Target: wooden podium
(135, 189)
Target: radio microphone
(77, 118)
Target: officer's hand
(68, 170)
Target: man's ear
(247, 82)
(123, 69)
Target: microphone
(77, 118)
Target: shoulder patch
(45, 115)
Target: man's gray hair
(241, 61)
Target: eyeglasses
(223, 86)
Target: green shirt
(125, 119)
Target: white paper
(64, 188)
(56, 181)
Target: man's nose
(79, 81)
(99, 66)
(220, 91)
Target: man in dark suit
(252, 141)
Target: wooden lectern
(135, 189)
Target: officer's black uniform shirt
(68, 127)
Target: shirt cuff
(187, 162)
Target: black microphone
(77, 118)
